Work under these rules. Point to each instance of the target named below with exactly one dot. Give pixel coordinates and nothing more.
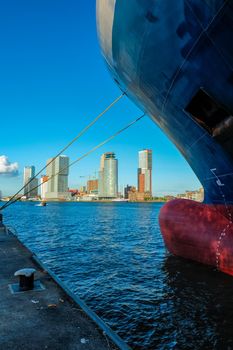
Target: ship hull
(198, 232)
(174, 60)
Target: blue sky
(54, 82)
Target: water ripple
(113, 256)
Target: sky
(54, 81)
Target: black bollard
(26, 279)
(26, 283)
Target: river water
(113, 256)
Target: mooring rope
(78, 159)
(64, 149)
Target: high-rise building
(145, 171)
(108, 176)
(28, 173)
(30, 189)
(33, 188)
(43, 186)
(58, 172)
(92, 186)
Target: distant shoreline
(94, 201)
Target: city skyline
(45, 186)
(53, 79)
(56, 181)
(55, 184)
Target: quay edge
(54, 318)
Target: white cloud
(8, 168)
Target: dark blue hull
(162, 53)
(175, 60)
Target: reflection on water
(113, 256)
(201, 305)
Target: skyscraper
(108, 176)
(28, 173)
(58, 184)
(30, 190)
(145, 171)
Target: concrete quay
(51, 318)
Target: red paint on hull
(200, 232)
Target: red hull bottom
(200, 232)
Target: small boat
(41, 204)
(120, 200)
